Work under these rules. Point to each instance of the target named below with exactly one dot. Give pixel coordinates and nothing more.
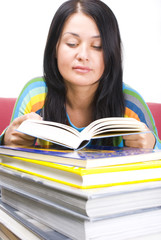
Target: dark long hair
(109, 99)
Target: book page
(51, 132)
(116, 125)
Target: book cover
(87, 158)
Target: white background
(24, 27)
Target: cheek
(62, 67)
(64, 57)
(61, 60)
(100, 66)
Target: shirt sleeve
(31, 99)
(136, 107)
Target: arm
(137, 108)
(29, 105)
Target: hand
(143, 140)
(12, 137)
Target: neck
(79, 106)
(80, 98)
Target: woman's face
(79, 51)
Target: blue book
(86, 158)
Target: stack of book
(15, 225)
(105, 193)
(102, 193)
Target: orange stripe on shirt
(37, 106)
(130, 113)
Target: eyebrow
(77, 35)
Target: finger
(137, 140)
(131, 137)
(134, 144)
(23, 136)
(21, 139)
(33, 115)
(22, 118)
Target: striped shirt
(32, 98)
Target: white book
(119, 227)
(69, 137)
(15, 225)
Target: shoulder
(135, 106)
(134, 103)
(35, 83)
(132, 96)
(131, 93)
(34, 87)
(31, 98)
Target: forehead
(80, 23)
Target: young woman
(82, 78)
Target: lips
(82, 69)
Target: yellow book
(86, 178)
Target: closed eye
(72, 44)
(97, 47)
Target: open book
(69, 137)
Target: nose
(83, 53)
